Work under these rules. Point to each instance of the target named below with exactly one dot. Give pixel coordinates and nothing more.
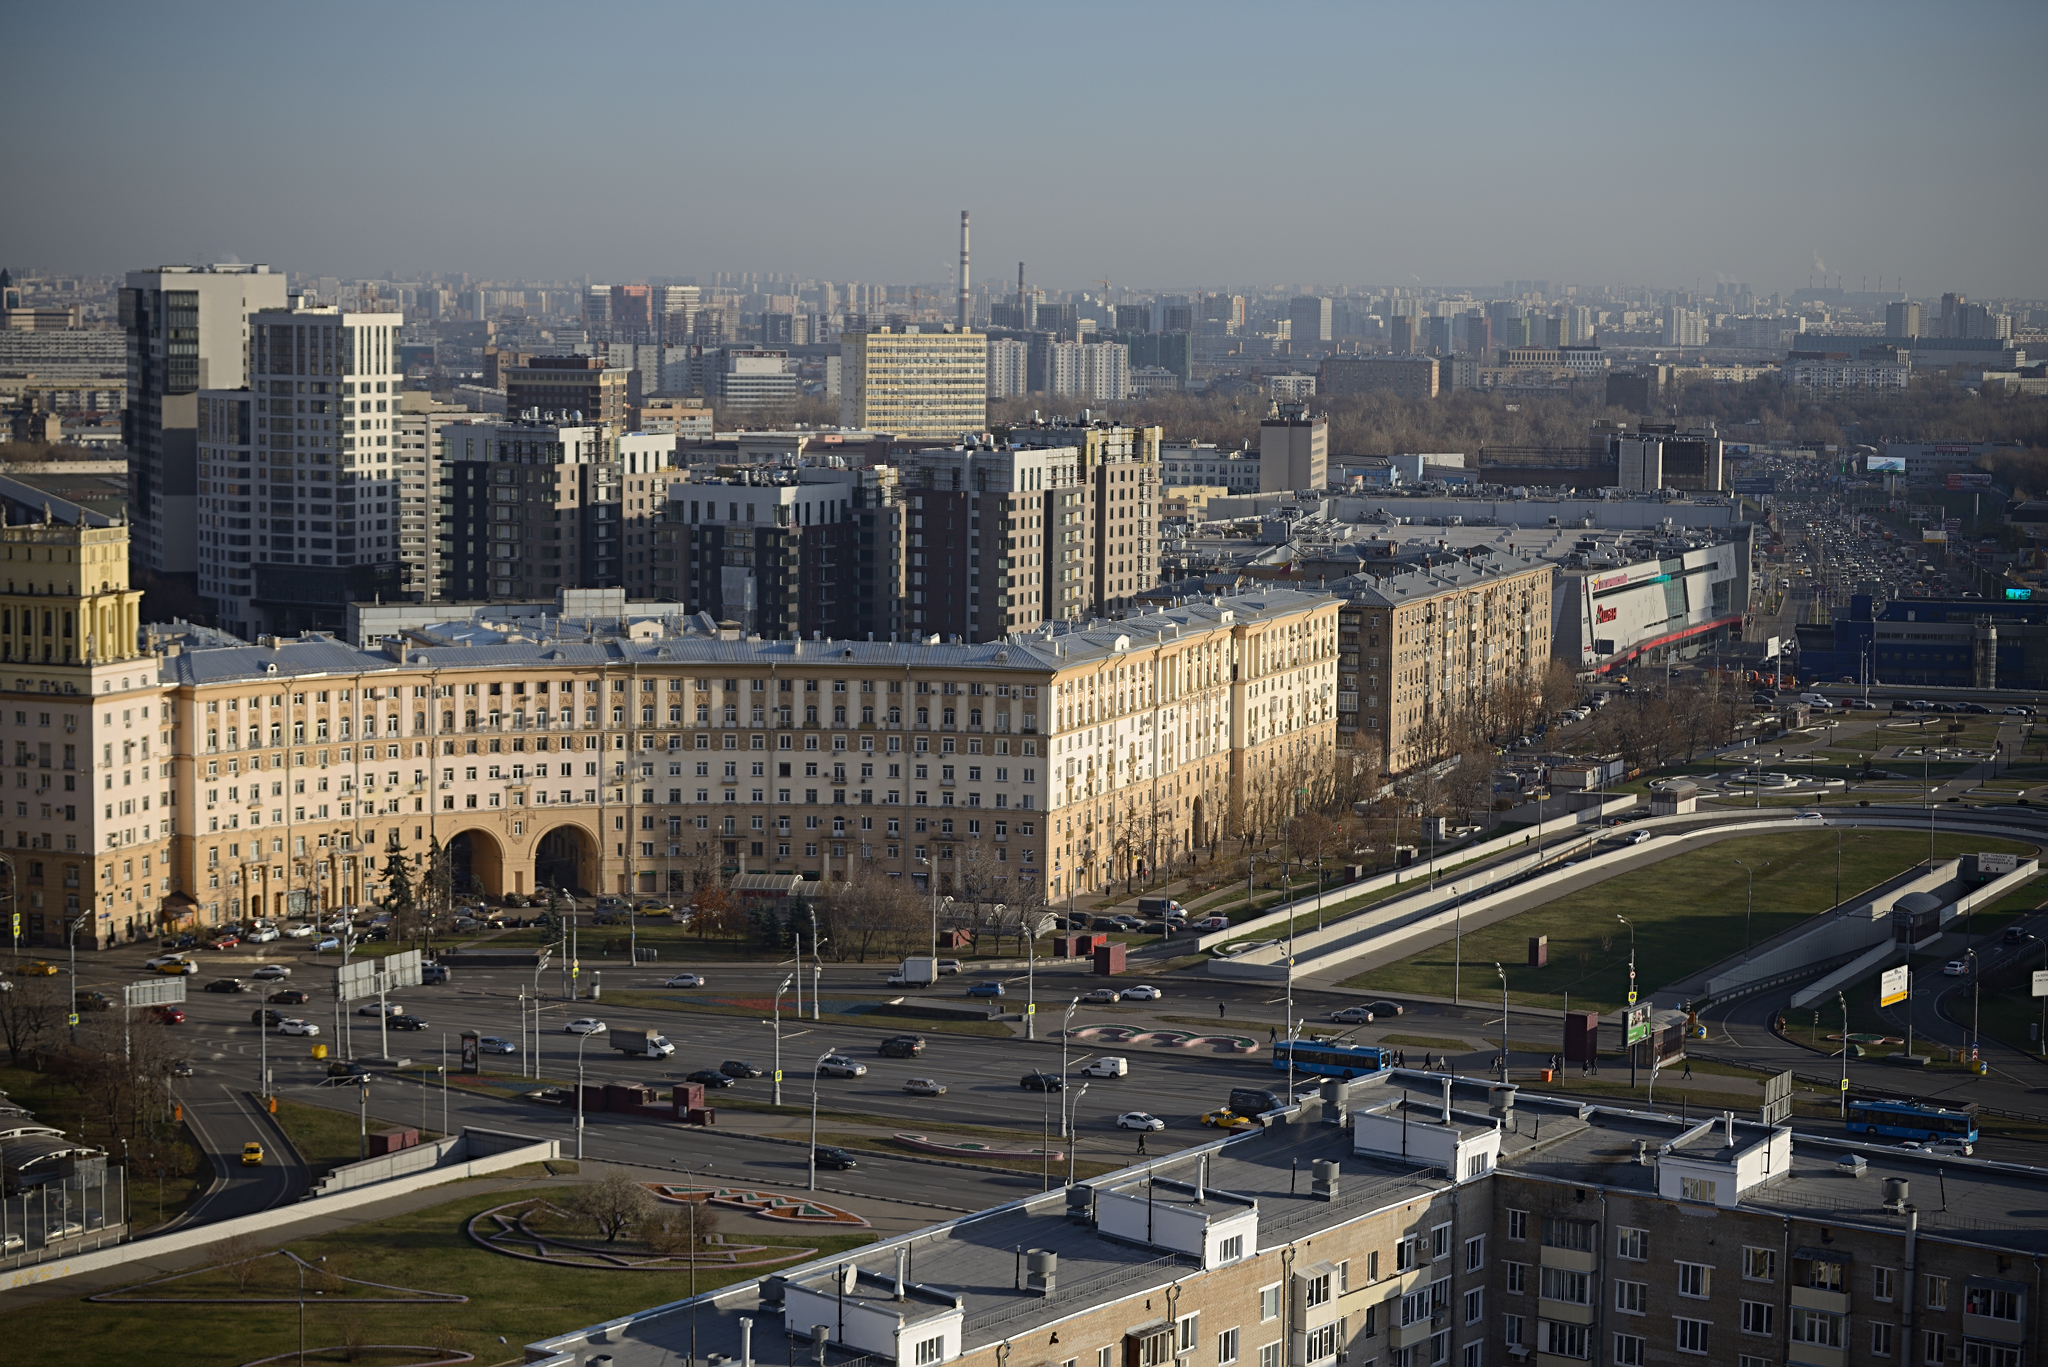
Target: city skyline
(1604, 145)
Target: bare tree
(669, 1229)
(30, 1010)
(237, 1255)
(614, 1204)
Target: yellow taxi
(36, 969)
(252, 1155)
(1228, 1120)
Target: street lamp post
(1631, 1000)
(581, 1040)
(778, 1037)
(1457, 944)
(1845, 1054)
(813, 1185)
(1066, 1030)
(1749, 904)
(1976, 999)
(818, 968)
(1074, 1135)
(1503, 1022)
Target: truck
(1163, 908)
(640, 1043)
(1107, 1066)
(919, 972)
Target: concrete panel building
(1406, 378)
(1294, 449)
(919, 385)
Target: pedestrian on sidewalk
(1688, 1067)
(1141, 1141)
(1272, 1035)
(1219, 1010)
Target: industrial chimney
(963, 270)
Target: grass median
(1688, 911)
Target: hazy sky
(1155, 145)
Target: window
(1937, 1292)
(1977, 1353)
(1991, 1303)
(1692, 1336)
(1751, 1360)
(1408, 1253)
(1226, 1346)
(1562, 1340)
(1231, 1249)
(1440, 1243)
(1933, 1346)
(1562, 1285)
(1475, 1253)
(1633, 1244)
(1760, 1264)
(1518, 1278)
(1316, 1290)
(1105, 1357)
(1628, 1350)
(1572, 1234)
(1269, 1355)
(930, 1351)
(1697, 1189)
(1473, 1354)
(1827, 1276)
(1881, 1340)
(1884, 1283)
(1758, 1317)
(1190, 1332)
(1475, 1306)
(1816, 1327)
(1694, 1279)
(1269, 1302)
(1631, 1298)
(1511, 1330)
(1320, 1343)
(1518, 1224)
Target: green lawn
(329, 1139)
(1688, 912)
(427, 1250)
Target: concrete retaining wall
(1847, 973)
(518, 1151)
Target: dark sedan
(1042, 1082)
(407, 1023)
(710, 1077)
(739, 1068)
(290, 996)
(226, 985)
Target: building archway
(566, 858)
(477, 862)
(1199, 831)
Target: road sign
(1895, 986)
(1637, 1024)
(155, 992)
(778, 1075)
(1845, 1084)
(1777, 1107)
(2041, 982)
(1997, 863)
(1631, 996)
(1032, 1009)
(368, 977)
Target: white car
(1955, 968)
(1143, 993)
(1807, 816)
(584, 1025)
(271, 973)
(1352, 1015)
(373, 1009)
(491, 1044)
(295, 1026)
(1102, 994)
(685, 980)
(298, 932)
(838, 1065)
(1636, 837)
(261, 936)
(1139, 1120)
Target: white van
(1817, 701)
(1107, 1066)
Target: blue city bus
(1912, 1120)
(1326, 1059)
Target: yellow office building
(923, 386)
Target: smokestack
(963, 270)
(1023, 321)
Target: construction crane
(1098, 280)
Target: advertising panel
(1932, 535)
(1997, 864)
(1637, 1023)
(1884, 465)
(1968, 479)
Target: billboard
(1968, 479)
(1932, 535)
(1884, 465)
(1990, 863)
(1895, 986)
(1763, 484)
(368, 977)
(1637, 1023)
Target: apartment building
(1022, 768)
(1106, 532)
(919, 384)
(770, 552)
(581, 385)
(528, 507)
(85, 827)
(304, 463)
(1009, 368)
(188, 330)
(1403, 1219)
(416, 466)
(1294, 450)
(1424, 646)
(1400, 376)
